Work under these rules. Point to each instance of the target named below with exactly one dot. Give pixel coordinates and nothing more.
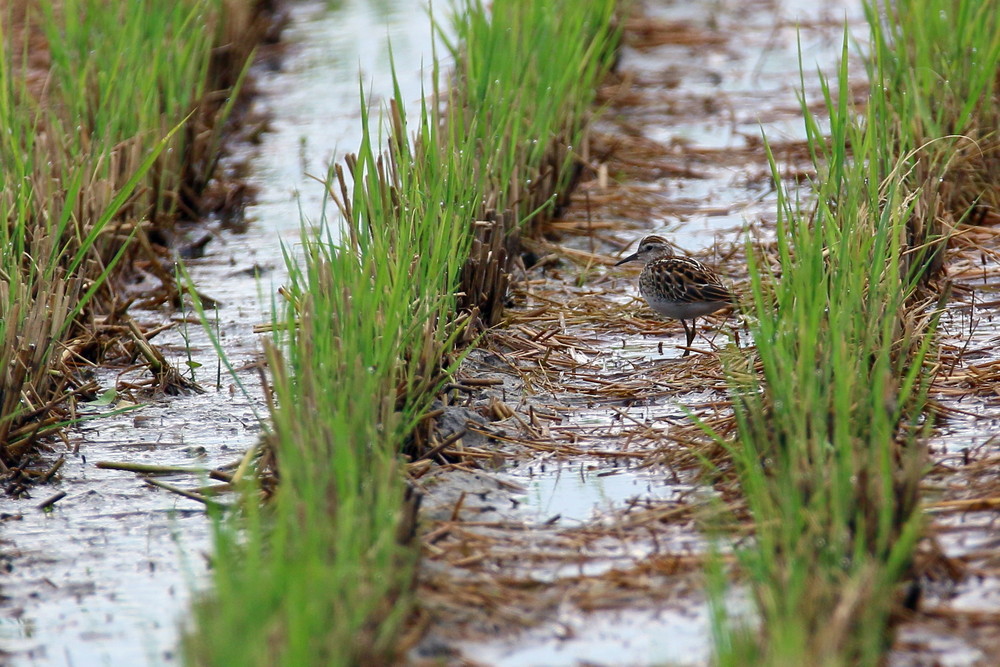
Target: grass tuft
(832, 405)
(96, 103)
(935, 82)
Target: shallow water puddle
(649, 637)
(105, 578)
(339, 47)
(563, 494)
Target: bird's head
(650, 248)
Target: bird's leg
(689, 334)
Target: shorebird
(680, 288)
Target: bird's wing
(692, 281)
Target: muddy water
(106, 577)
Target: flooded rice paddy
(575, 539)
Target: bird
(680, 288)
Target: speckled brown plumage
(677, 287)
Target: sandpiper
(680, 288)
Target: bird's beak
(634, 255)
